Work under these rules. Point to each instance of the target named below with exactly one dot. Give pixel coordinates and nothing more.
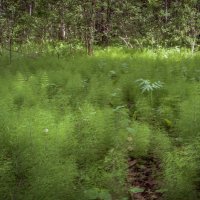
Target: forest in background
(136, 24)
(99, 100)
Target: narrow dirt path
(142, 177)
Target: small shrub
(160, 145)
(7, 178)
(179, 175)
(139, 137)
(188, 124)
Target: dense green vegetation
(99, 99)
(69, 125)
(138, 23)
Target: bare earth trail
(143, 174)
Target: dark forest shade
(102, 22)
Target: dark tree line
(101, 22)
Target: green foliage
(139, 139)
(188, 123)
(7, 177)
(136, 190)
(68, 126)
(97, 194)
(147, 86)
(161, 145)
(180, 171)
(65, 27)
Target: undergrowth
(67, 126)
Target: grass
(68, 125)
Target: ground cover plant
(79, 127)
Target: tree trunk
(89, 11)
(62, 31)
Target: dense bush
(179, 174)
(67, 127)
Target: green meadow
(69, 125)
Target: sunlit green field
(69, 125)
